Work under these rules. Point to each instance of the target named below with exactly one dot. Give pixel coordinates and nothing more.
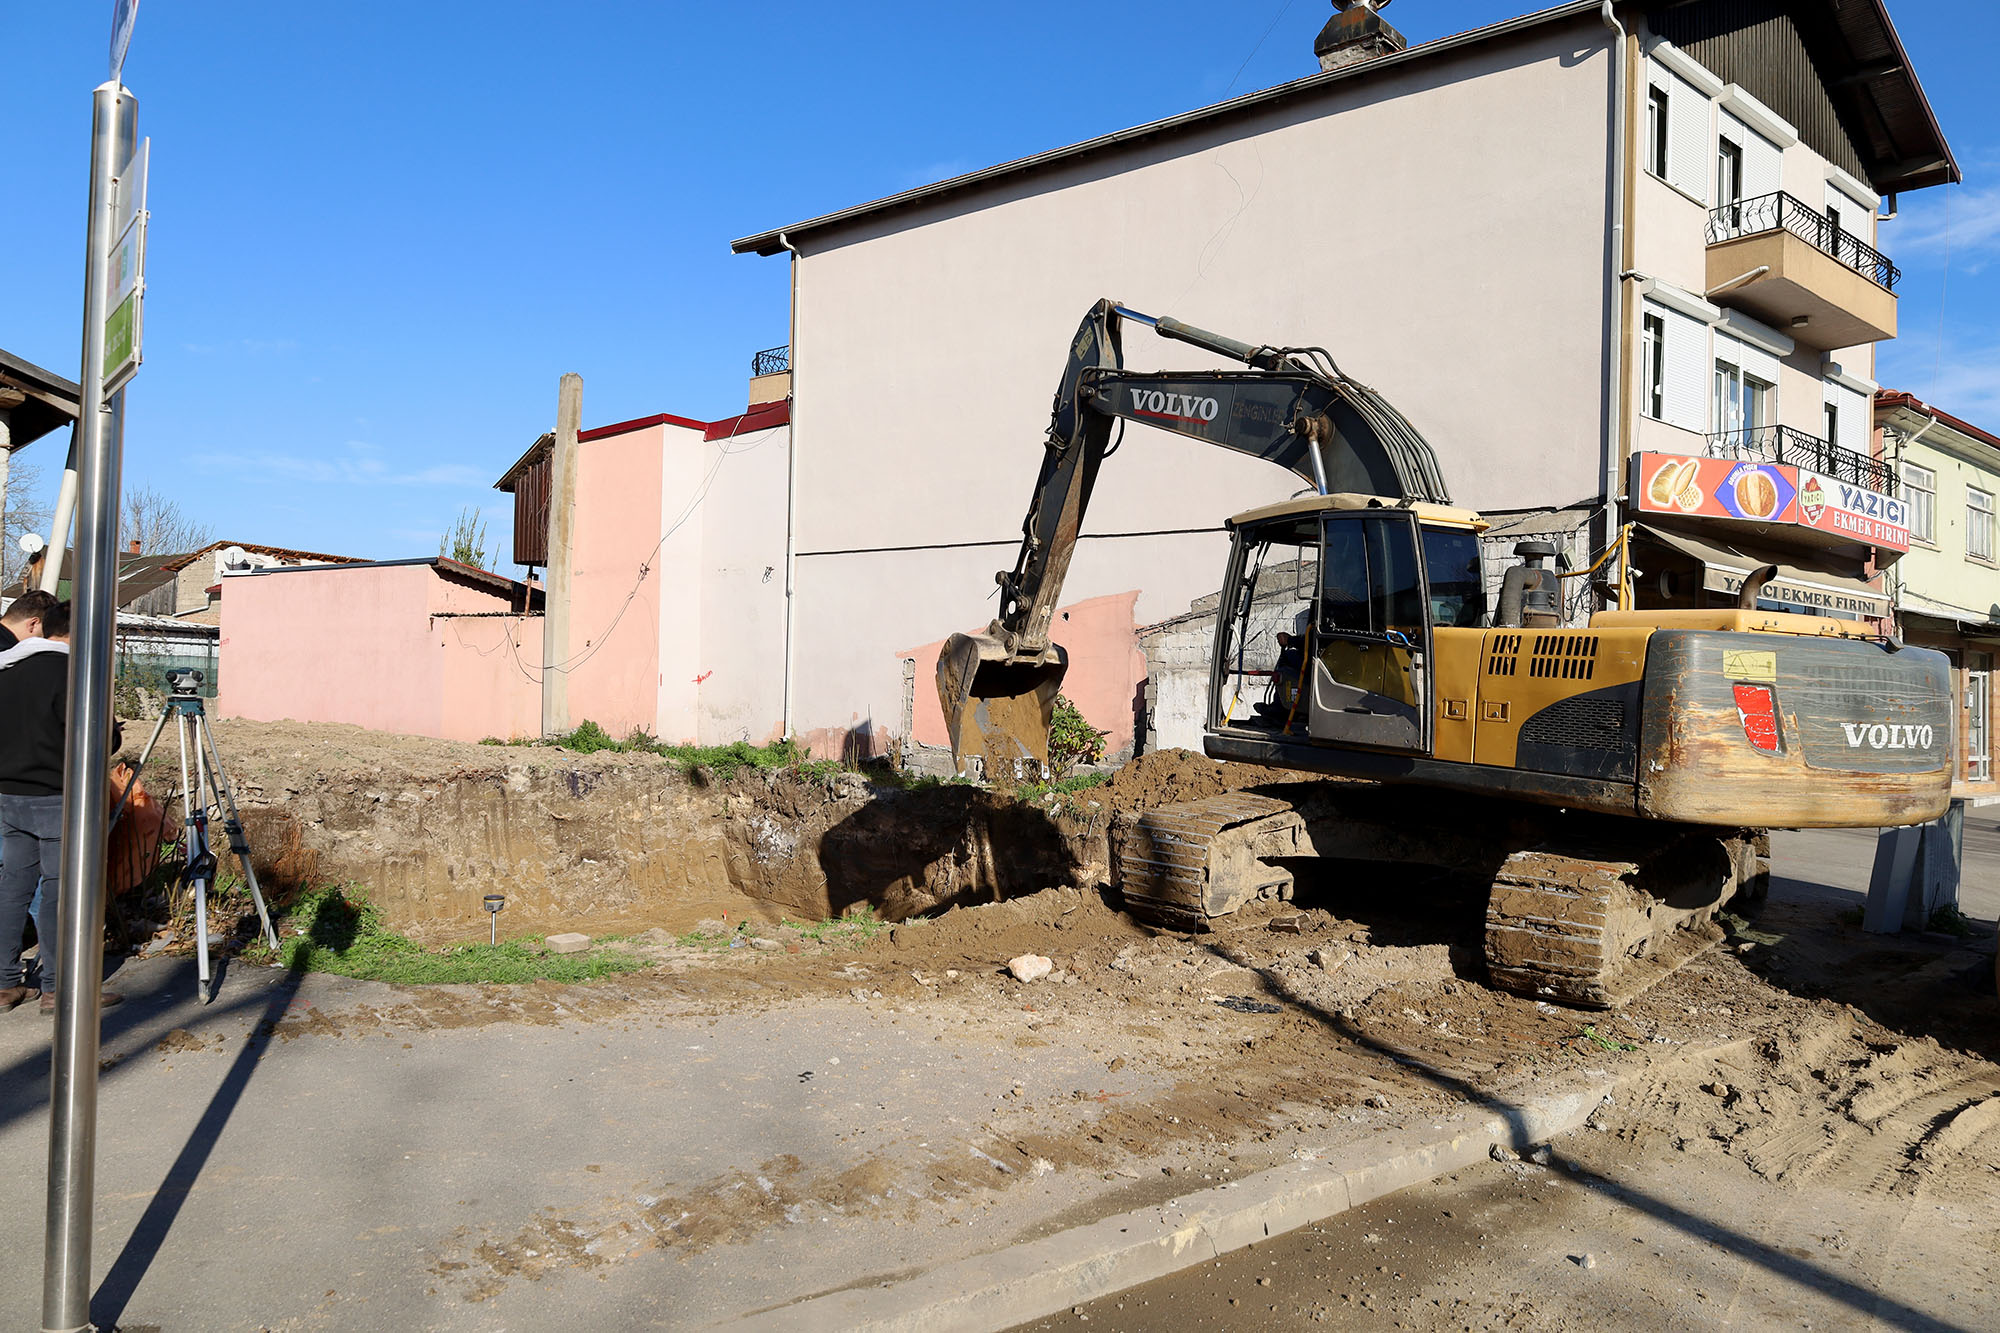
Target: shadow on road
(150, 1232)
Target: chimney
(132, 547)
(1356, 34)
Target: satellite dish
(32, 543)
(235, 558)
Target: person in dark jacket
(24, 616)
(34, 716)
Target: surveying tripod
(205, 798)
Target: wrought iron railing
(1781, 211)
(772, 361)
(1782, 444)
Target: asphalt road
(1833, 865)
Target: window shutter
(1685, 379)
(1853, 422)
(1763, 161)
(1749, 358)
(1856, 218)
(1690, 145)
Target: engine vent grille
(1564, 657)
(1504, 661)
(1587, 722)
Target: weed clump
(338, 930)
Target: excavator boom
(1293, 407)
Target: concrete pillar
(562, 539)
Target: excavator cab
(1333, 605)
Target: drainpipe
(791, 490)
(1620, 263)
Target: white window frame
(1659, 116)
(1979, 524)
(1923, 515)
(1653, 349)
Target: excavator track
(1580, 923)
(1184, 865)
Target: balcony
(771, 361)
(1791, 267)
(1808, 453)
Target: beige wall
(1440, 229)
(742, 578)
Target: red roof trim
(761, 417)
(1887, 401)
(639, 423)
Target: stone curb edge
(989, 1292)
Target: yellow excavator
(1614, 782)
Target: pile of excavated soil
(1168, 777)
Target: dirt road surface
(1836, 1167)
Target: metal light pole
(73, 1081)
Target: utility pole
(562, 537)
(114, 260)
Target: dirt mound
(1071, 926)
(1167, 777)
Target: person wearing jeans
(34, 714)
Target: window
(1742, 402)
(1653, 358)
(1832, 435)
(1920, 490)
(1458, 587)
(1729, 179)
(1369, 582)
(1656, 131)
(1979, 523)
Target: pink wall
(614, 622)
(1106, 667)
(369, 646)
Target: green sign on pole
(125, 273)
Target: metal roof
(1876, 71)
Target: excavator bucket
(998, 706)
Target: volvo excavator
(1612, 783)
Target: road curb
(996, 1291)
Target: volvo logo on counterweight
(1174, 406)
(1883, 737)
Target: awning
(1801, 582)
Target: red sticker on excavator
(1758, 708)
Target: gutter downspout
(791, 493)
(1619, 264)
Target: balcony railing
(1783, 212)
(1782, 444)
(772, 361)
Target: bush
(1072, 740)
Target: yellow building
(1947, 588)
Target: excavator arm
(1293, 407)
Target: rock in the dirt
(656, 935)
(1584, 1260)
(1288, 925)
(1030, 967)
(709, 925)
(1378, 1101)
(1500, 1152)
(759, 942)
(1541, 1156)
(568, 942)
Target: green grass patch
(857, 925)
(344, 934)
(1063, 787)
(1948, 920)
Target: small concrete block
(567, 943)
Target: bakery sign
(1801, 594)
(1755, 491)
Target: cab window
(1458, 588)
(1370, 582)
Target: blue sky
(380, 232)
